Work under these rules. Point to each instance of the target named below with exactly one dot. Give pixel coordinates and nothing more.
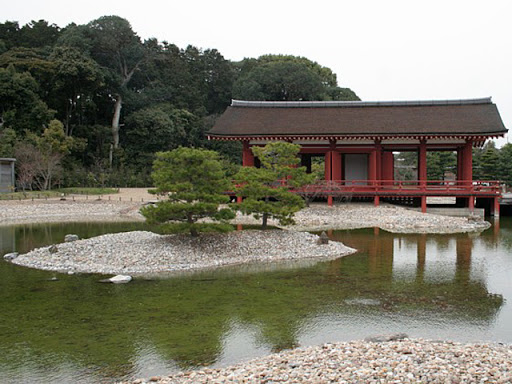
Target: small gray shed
(7, 175)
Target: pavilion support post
(328, 174)
(372, 168)
(329, 200)
(422, 163)
(460, 152)
(422, 173)
(471, 204)
(496, 210)
(376, 201)
(388, 167)
(239, 199)
(467, 162)
(336, 166)
(247, 155)
(467, 171)
(378, 160)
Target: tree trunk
(265, 216)
(115, 121)
(193, 229)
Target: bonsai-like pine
(266, 191)
(194, 182)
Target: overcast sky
(382, 50)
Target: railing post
(423, 204)
(496, 211)
(471, 203)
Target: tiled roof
(475, 117)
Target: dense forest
(90, 105)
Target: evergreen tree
(489, 162)
(266, 190)
(194, 182)
(505, 164)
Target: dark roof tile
(450, 117)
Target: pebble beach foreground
(142, 252)
(361, 362)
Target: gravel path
(146, 252)
(319, 217)
(362, 362)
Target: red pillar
(467, 171)
(471, 203)
(467, 163)
(424, 204)
(328, 166)
(336, 166)
(372, 167)
(247, 155)
(422, 172)
(378, 160)
(496, 210)
(460, 152)
(422, 163)
(388, 166)
(372, 173)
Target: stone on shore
(120, 279)
(11, 256)
(323, 239)
(70, 237)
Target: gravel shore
(57, 211)
(317, 217)
(142, 252)
(363, 362)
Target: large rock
(69, 238)
(53, 249)
(11, 256)
(323, 239)
(120, 279)
(385, 338)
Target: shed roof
(253, 119)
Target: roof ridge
(327, 104)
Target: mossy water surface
(70, 328)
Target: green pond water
(75, 329)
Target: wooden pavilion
(357, 140)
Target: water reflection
(74, 329)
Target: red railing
(394, 188)
(403, 188)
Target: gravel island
(141, 252)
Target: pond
(70, 328)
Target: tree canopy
(266, 190)
(287, 78)
(193, 181)
(124, 98)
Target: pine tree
(194, 182)
(266, 191)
